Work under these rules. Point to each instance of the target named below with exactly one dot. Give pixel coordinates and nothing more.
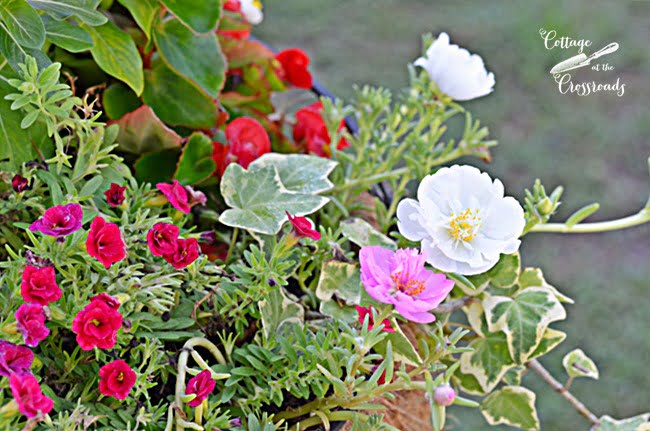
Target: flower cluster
(164, 241)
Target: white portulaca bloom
(458, 74)
(462, 219)
(252, 11)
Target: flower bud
(545, 206)
(235, 422)
(444, 395)
(20, 183)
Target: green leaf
(512, 405)
(200, 15)
(550, 340)
(582, 214)
(502, 275)
(196, 57)
(196, 163)
(118, 100)
(258, 200)
(69, 37)
(277, 310)
(23, 23)
(345, 313)
(362, 233)
(342, 279)
(299, 172)
(142, 132)
(116, 53)
(157, 167)
(16, 54)
(489, 360)
(524, 318)
(143, 11)
(85, 10)
(534, 277)
(176, 101)
(636, 423)
(578, 364)
(403, 349)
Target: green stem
(373, 179)
(233, 242)
(639, 218)
(332, 416)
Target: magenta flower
(31, 324)
(399, 278)
(60, 220)
(28, 395)
(202, 385)
(14, 359)
(176, 195)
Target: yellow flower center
(407, 285)
(465, 226)
(257, 4)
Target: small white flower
(462, 219)
(252, 11)
(458, 74)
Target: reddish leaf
(141, 131)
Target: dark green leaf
(23, 23)
(156, 167)
(143, 12)
(67, 36)
(200, 15)
(85, 10)
(15, 54)
(118, 100)
(196, 162)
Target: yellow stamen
(465, 226)
(411, 287)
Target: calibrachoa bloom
(28, 395)
(399, 278)
(463, 220)
(39, 286)
(246, 141)
(187, 251)
(115, 195)
(303, 227)
(444, 395)
(31, 324)
(116, 379)
(367, 311)
(176, 195)
(294, 63)
(310, 130)
(107, 299)
(20, 183)
(97, 324)
(458, 74)
(14, 359)
(105, 242)
(162, 239)
(60, 220)
(202, 385)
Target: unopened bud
(444, 395)
(545, 206)
(20, 183)
(272, 282)
(235, 422)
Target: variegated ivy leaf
(531, 277)
(512, 405)
(299, 173)
(340, 278)
(551, 339)
(361, 233)
(489, 360)
(577, 364)
(403, 349)
(258, 200)
(277, 310)
(523, 319)
(636, 423)
(503, 275)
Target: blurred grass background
(596, 146)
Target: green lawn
(596, 146)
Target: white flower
(458, 74)
(462, 219)
(252, 11)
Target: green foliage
(577, 364)
(512, 405)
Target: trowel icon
(581, 60)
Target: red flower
(294, 63)
(162, 239)
(20, 183)
(232, 5)
(176, 195)
(303, 228)
(97, 325)
(28, 395)
(31, 323)
(60, 220)
(116, 379)
(39, 285)
(107, 299)
(202, 385)
(363, 311)
(187, 251)
(14, 359)
(247, 141)
(115, 195)
(310, 130)
(105, 242)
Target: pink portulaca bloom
(399, 278)
(60, 220)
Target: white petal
(409, 220)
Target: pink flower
(162, 239)
(303, 227)
(187, 251)
(176, 195)
(399, 278)
(14, 359)
(105, 242)
(28, 395)
(367, 311)
(202, 385)
(97, 324)
(115, 195)
(116, 379)
(60, 220)
(31, 323)
(107, 299)
(39, 286)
